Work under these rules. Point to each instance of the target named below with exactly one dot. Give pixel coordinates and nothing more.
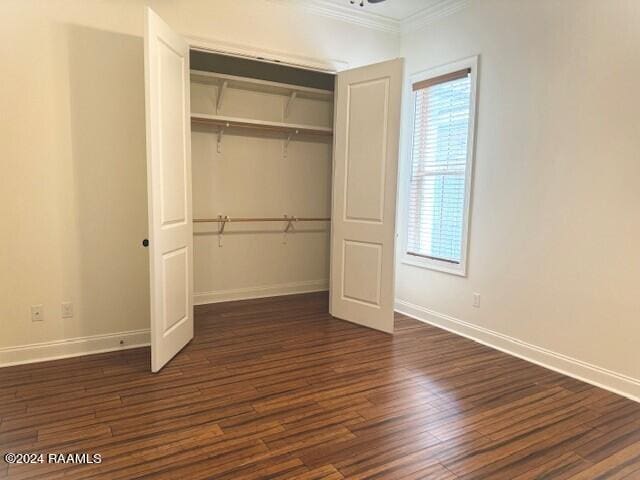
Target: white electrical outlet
(37, 313)
(67, 310)
(476, 300)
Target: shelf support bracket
(287, 141)
(220, 133)
(289, 227)
(287, 109)
(222, 221)
(221, 91)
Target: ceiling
(394, 9)
(394, 16)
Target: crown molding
(365, 18)
(438, 10)
(347, 14)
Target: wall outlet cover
(37, 313)
(67, 310)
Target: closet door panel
(366, 133)
(169, 190)
(366, 150)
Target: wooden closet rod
(261, 219)
(288, 219)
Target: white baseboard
(598, 376)
(73, 347)
(261, 292)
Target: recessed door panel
(171, 107)
(366, 150)
(175, 282)
(362, 266)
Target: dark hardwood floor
(277, 389)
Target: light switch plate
(476, 300)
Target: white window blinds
(439, 167)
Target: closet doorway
(328, 142)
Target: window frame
(445, 266)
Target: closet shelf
(254, 84)
(263, 125)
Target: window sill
(443, 267)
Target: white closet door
(365, 164)
(166, 57)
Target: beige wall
(554, 223)
(72, 194)
(72, 153)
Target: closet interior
(261, 141)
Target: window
(440, 174)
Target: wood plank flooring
(277, 389)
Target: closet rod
(261, 219)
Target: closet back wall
(252, 177)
